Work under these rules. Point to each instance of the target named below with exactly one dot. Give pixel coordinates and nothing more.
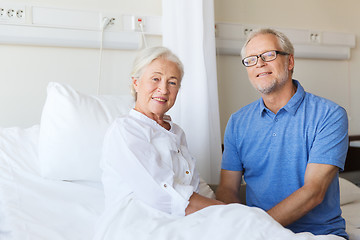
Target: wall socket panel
(315, 37)
(150, 24)
(12, 13)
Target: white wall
(26, 70)
(335, 80)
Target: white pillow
(349, 192)
(72, 129)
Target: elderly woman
(145, 149)
(149, 177)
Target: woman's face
(157, 88)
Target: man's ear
(291, 62)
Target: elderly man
(289, 144)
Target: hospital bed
(50, 184)
(350, 193)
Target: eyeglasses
(266, 57)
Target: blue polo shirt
(273, 151)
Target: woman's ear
(135, 83)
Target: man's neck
(276, 100)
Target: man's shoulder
(323, 110)
(251, 107)
(321, 103)
(244, 116)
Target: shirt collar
(293, 104)
(150, 121)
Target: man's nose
(260, 62)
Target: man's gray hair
(284, 42)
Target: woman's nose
(163, 88)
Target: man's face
(268, 77)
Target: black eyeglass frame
(261, 56)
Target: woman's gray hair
(147, 56)
(284, 41)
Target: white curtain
(188, 30)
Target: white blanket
(130, 219)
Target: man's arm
(317, 180)
(228, 189)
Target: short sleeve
(331, 141)
(231, 159)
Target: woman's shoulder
(131, 122)
(129, 125)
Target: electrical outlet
(106, 22)
(20, 14)
(247, 31)
(315, 37)
(115, 21)
(12, 13)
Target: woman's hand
(198, 202)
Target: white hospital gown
(143, 158)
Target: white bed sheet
(351, 213)
(34, 208)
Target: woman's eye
(155, 79)
(173, 83)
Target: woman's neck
(159, 119)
